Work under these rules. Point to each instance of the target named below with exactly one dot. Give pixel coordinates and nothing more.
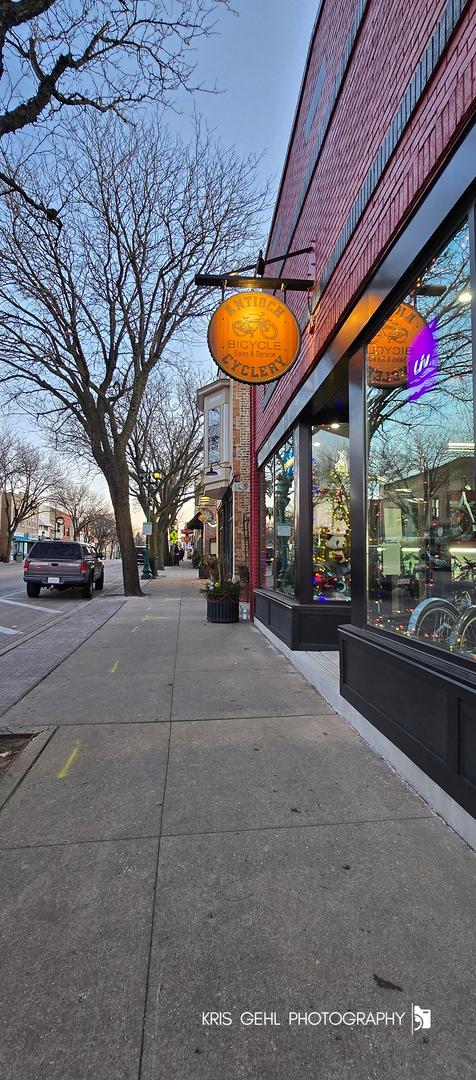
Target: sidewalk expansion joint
(156, 879)
(214, 832)
(297, 828)
(79, 843)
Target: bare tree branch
(27, 477)
(88, 314)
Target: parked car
(59, 564)
(140, 551)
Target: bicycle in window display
(450, 623)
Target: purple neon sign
(422, 363)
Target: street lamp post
(151, 489)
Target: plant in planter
(208, 568)
(244, 575)
(223, 596)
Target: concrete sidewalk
(203, 834)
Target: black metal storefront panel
(430, 715)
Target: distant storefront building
(225, 480)
(363, 480)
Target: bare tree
(80, 503)
(89, 313)
(104, 56)
(168, 439)
(101, 530)
(26, 479)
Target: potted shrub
(244, 575)
(223, 597)
(208, 568)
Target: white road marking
(31, 607)
(6, 630)
(43, 606)
(18, 603)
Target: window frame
(359, 436)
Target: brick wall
(389, 88)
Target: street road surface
(20, 615)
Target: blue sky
(257, 59)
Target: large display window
(278, 512)
(268, 527)
(421, 505)
(331, 512)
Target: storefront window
(421, 488)
(268, 526)
(284, 517)
(331, 512)
(277, 521)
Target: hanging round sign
(254, 337)
(206, 516)
(388, 351)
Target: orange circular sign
(253, 337)
(388, 350)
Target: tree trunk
(165, 541)
(8, 547)
(160, 549)
(118, 484)
(153, 546)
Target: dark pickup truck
(60, 564)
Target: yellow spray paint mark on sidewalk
(134, 628)
(154, 618)
(68, 764)
(114, 667)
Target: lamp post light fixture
(152, 488)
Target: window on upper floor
(213, 436)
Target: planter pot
(223, 610)
(203, 573)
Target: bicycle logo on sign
(254, 323)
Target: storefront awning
(195, 523)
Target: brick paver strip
(24, 667)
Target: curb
(26, 759)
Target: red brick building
(363, 511)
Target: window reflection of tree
(213, 436)
(284, 515)
(331, 482)
(269, 524)
(411, 464)
(451, 272)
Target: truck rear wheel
(87, 591)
